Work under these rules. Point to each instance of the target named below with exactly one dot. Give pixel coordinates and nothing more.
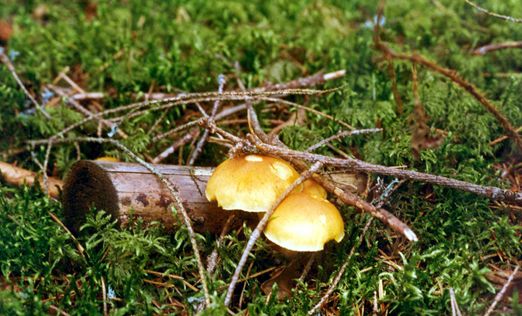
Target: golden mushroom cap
(304, 222)
(313, 188)
(250, 183)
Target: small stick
(340, 273)
(104, 297)
(261, 225)
(341, 135)
(455, 311)
(503, 138)
(214, 257)
(77, 243)
(4, 59)
(500, 294)
(204, 137)
(308, 266)
(494, 47)
(178, 143)
(496, 15)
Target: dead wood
(19, 176)
(128, 191)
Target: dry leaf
(6, 30)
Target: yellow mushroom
(313, 188)
(304, 222)
(250, 183)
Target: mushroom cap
(250, 183)
(313, 188)
(304, 222)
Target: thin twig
(177, 144)
(496, 15)
(77, 243)
(502, 292)
(214, 257)
(341, 135)
(83, 110)
(204, 137)
(340, 273)
(259, 228)
(5, 60)
(104, 297)
(455, 311)
(498, 46)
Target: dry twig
(496, 15)
(501, 293)
(5, 60)
(498, 46)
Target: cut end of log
(87, 186)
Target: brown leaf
(6, 30)
(90, 10)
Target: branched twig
(496, 15)
(83, 110)
(177, 144)
(5, 60)
(456, 78)
(500, 294)
(493, 193)
(259, 228)
(449, 73)
(345, 196)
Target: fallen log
(128, 191)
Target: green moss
(172, 46)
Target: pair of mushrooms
(304, 221)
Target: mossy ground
(132, 47)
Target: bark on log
(127, 191)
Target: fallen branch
(493, 193)
(18, 176)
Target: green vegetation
(132, 47)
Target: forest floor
(103, 55)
